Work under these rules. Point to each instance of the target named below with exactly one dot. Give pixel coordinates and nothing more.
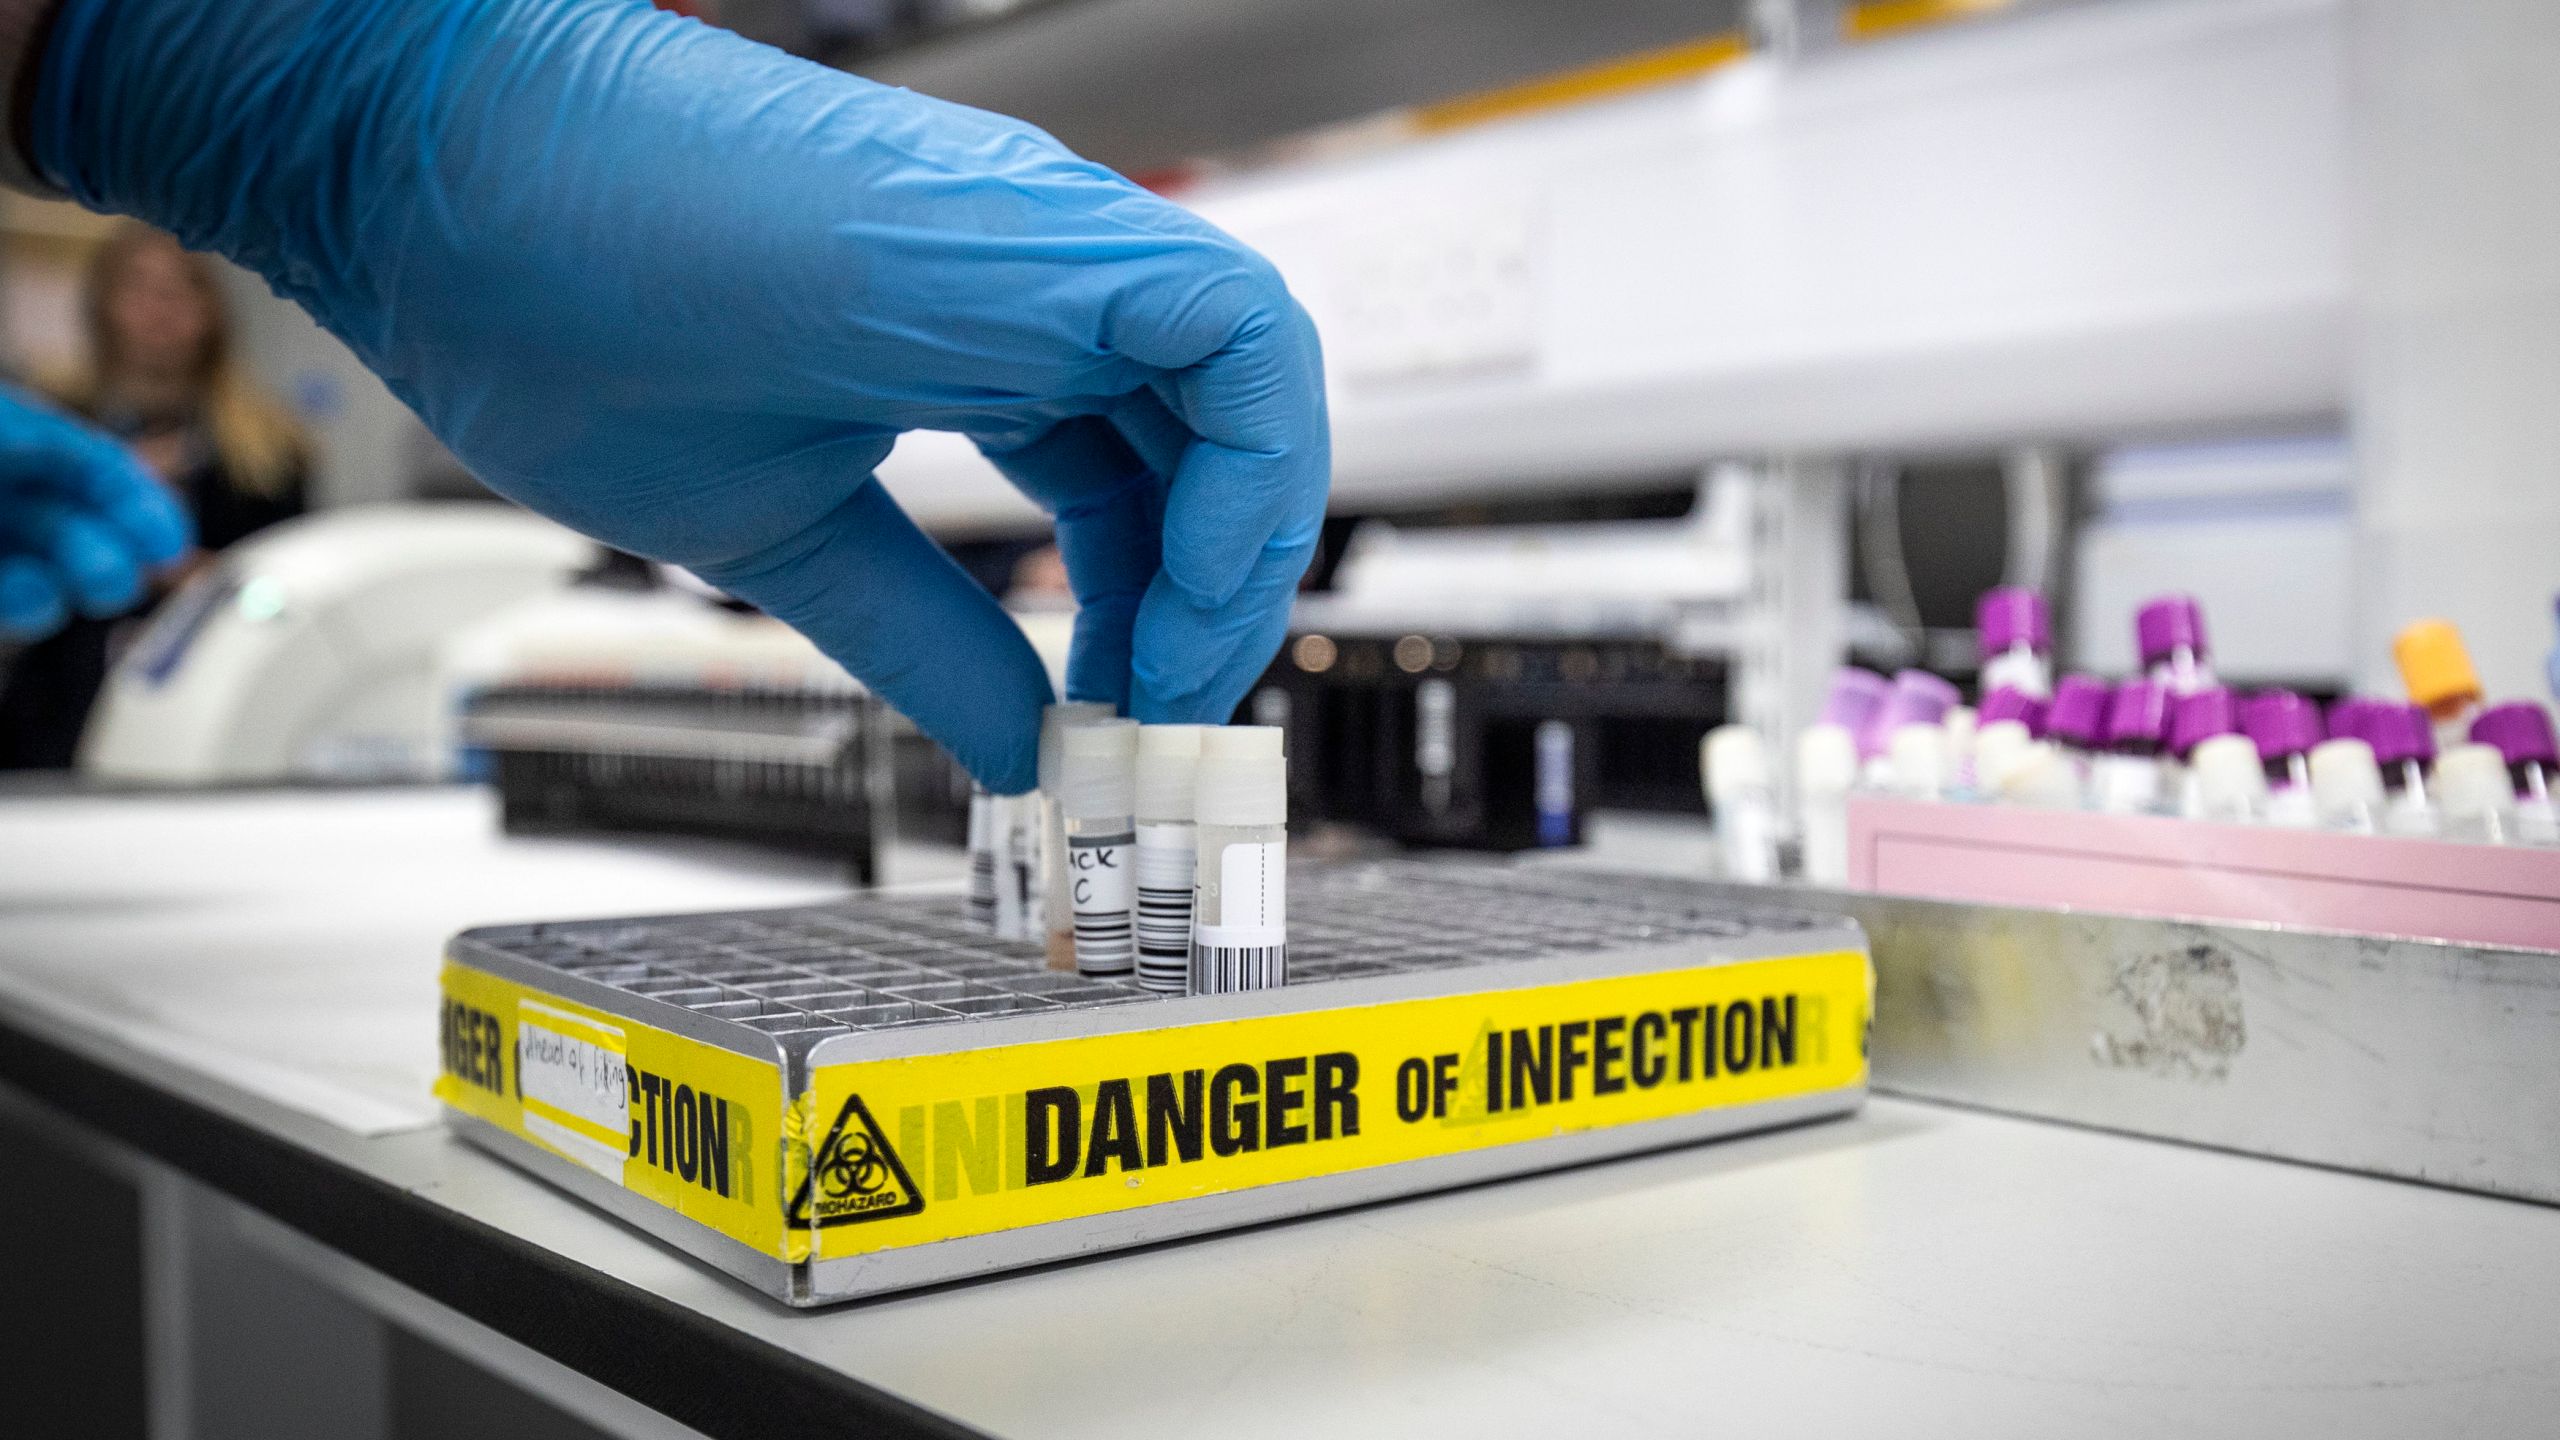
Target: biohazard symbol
(855, 1174)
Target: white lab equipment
(309, 651)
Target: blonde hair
(262, 446)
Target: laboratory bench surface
(241, 988)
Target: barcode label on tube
(1227, 969)
(1166, 858)
(1098, 890)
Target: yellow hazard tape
(936, 1147)
(695, 1128)
(1579, 86)
(1875, 19)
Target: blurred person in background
(161, 378)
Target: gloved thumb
(882, 600)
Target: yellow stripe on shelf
(1875, 19)
(1591, 82)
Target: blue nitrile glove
(80, 521)
(681, 291)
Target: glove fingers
(1109, 507)
(1244, 373)
(1152, 430)
(40, 449)
(31, 605)
(1194, 662)
(91, 563)
(880, 598)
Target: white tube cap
(1098, 769)
(2344, 776)
(1168, 771)
(1054, 722)
(2229, 775)
(1996, 747)
(1732, 760)
(1826, 762)
(2472, 783)
(1243, 777)
(1918, 757)
(2041, 775)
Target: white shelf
(2092, 222)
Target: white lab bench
(230, 999)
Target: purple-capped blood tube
(2194, 718)
(2076, 722)
(2285, 727)
(1856, 695)
(2126, 779)
(1917, 698)
(2010, 703)
(2168, 632)
(2015, 634)
(2404, 743)
(2522, 732)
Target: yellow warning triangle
(854, 1175)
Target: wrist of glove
(682, 292)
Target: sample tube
(2076, 721)
(2015, 634)
(2042, 775)
(2284, 726)
(2349, 713)
(2168, 632)
(2346, 786)
(2126, 780)
(1168, 852)
(1551, 784)
(1856, 695)
(2230, 780)
(2009, 721)
(1916, 698)
(1917, 762)
(1050, 914)
(1996, 747)
(982, 860)
(1962, 724)
(1240, 935)
(1741, 802)
(2436, 668)
(1013, 845)
(1097, 802)
(2195, 718)
(2404, 744)
(1826, 768)
(2478, 800)
(2011, 703)
(2522, 732)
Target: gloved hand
(80, 521)
(681, 292)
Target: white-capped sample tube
(1744, 807)
(1168, 852)
(1996, 747)
(1826, 768)
(2230, 780)
(1916, 762)
(1240, 927)
(2346, 786)
(2478, 800)
(2043, 775)
(982, 860)
(1013, 844)
(1050, 913)
(1963, 724)
(1097, 802)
